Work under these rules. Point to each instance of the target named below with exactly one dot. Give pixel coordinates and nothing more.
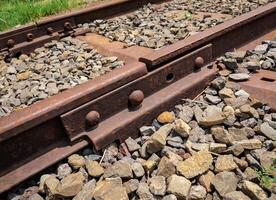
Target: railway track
(137, 79)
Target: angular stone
(120, 169)
(220, 134)
(179, 186)
(94, 169)
(197, 192)
(71, 185)
(213, 99)
(131, 185)
(226, 93)
(186, 113)
(63, 170)
(147, 130)
(267, 159)
(195, 165)
(42, 182)
(268, 131)
(242, 93)
(206, 179)
(182, 128)
(158, 140)
(35, 197)
(149, 165)
(132, 145)
(254, 191)
(237, 134)
(217, 147)
(238, 55)
(250, 174)
(212, 120)
(225, 182)
(236, 195)
(110, 189)
(138, 169)
(239, 77)
(165, 167)
(249, 144)
(50, 185)
(169, 197)
(242, 164)
(87, 191)
(157, 185)
(165, 117)
(230, 63)
(76, 161)
(143, 192)
(225, 163)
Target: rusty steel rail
(113, 106)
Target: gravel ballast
(156, 26)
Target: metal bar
(224, 37)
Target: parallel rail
(38, 136)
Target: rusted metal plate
(262, 86)
(126, 123)
(26, 47)
(224, 37)
(75, 121)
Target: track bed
(148, 79)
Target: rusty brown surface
(74, 121)
(262, 86)
(224, 37)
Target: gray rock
(157, 185)
(239, 77)
(138, 169)
(268, 131)
(63, 170)
(254, 191)
(87, 191)
(197, 192)
(225, 182)
(236, 195)
(179, 186)
(132, 145)
(131, 185)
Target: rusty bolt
(93, 118)
(199, 61)
(30, 37)
(10, 43)
(136, 98)
(50, 30)
(67, 26)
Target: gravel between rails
(220, 145)
(156, 26)
(57, 66)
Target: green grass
(19, 12)
(266, 176)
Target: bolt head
(199, 62)
(136, 98)
(93, 118)
(10, 43)
(30, 36)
